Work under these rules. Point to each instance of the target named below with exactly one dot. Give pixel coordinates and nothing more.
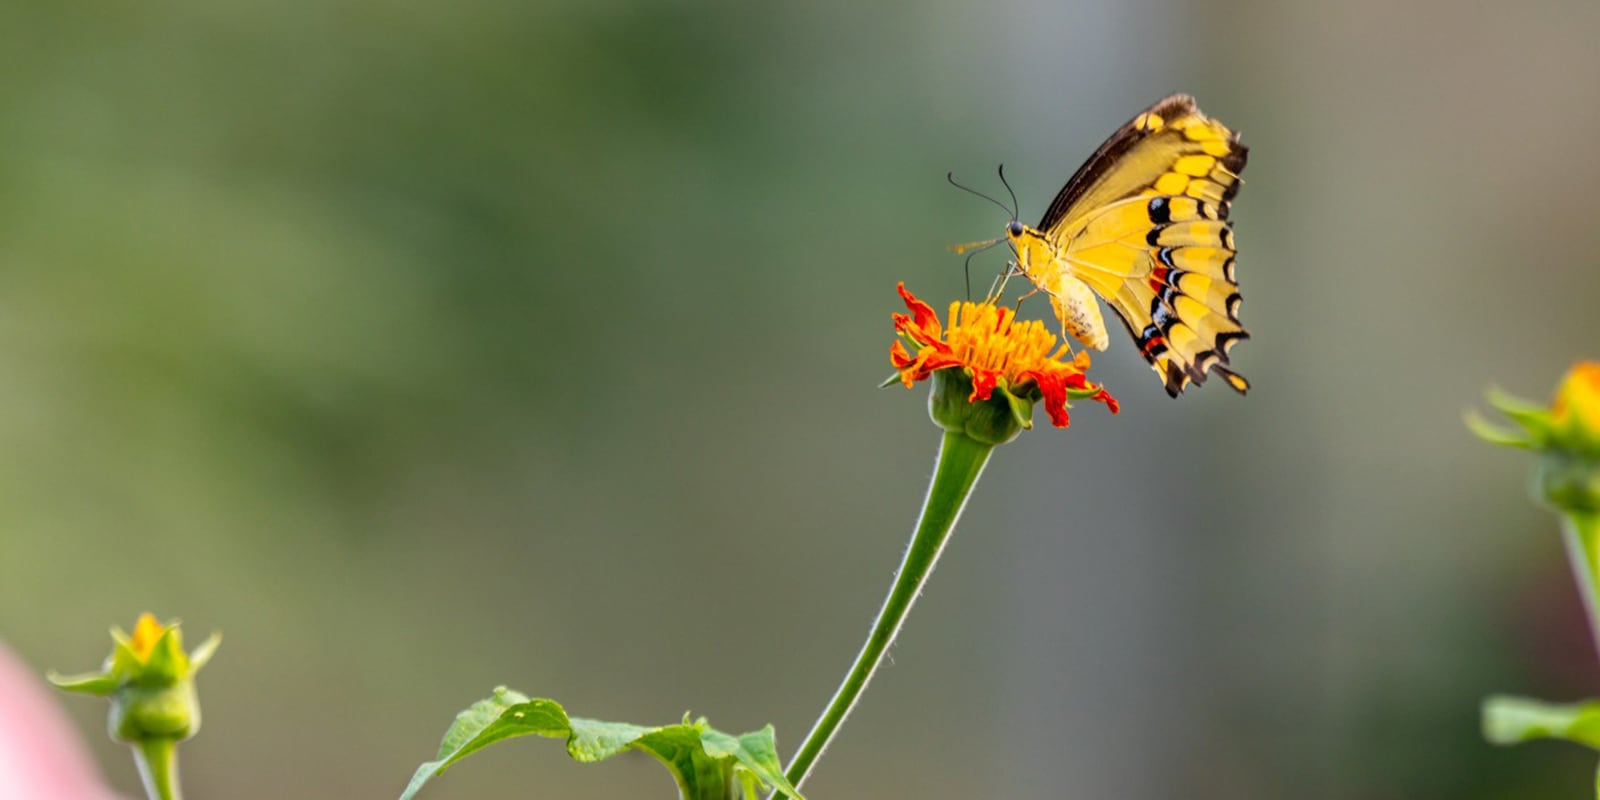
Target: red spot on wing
(1158, 279)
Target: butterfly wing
(1145, 223)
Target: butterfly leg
(1017, 308)
(998, 286)
(1066, 337)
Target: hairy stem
(960, 462)
(1581, 532)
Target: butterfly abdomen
(1079, 312)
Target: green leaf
(756, 753)
(1513, 720)
(706, 763)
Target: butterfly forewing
(1144, 222)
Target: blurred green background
(425, 348)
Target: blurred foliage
(344, 327)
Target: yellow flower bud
(1576, 407)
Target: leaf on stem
(1513, 720)
(706, 763)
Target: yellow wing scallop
(1144, 223)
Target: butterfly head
(1015, 229)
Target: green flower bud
(150, 681)
(1565, 435)
(1568, 482)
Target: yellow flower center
(989, 337)
(146, 632)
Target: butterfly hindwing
(1144, 222)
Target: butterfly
(1144, 225)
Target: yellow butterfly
(1144, 225)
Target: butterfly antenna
(951, 177)
(966, 272)
(966, 266)
(1015, 209)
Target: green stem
(1581, 531)
(961, 461)
(158, 768)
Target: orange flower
(994, 350)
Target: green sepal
(168, 663)
(1021, 407)
(202, 654)
(705, 763)
(1532, 418)
(1494, 434)
(1088, 393)
(994, 421)
(97, 683)
(1512, 720)
(1535, 417)
(1540, 429)
(125, 663)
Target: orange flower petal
(899, 357)
(1104, 396)
(923, 316)
(983, 383)
(1053, 386)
